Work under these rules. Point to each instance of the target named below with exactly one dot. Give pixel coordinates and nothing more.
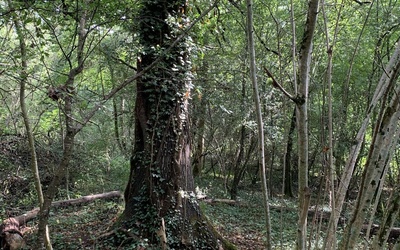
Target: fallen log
(11, 236)
(225, 201)
(394, 232)
(28, 216)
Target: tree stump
(10, 235)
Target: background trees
(79, 68)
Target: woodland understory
(85, 225)
(222, 124)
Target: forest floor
(242, 223)
(79, 226)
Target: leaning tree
(160, 203)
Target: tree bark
(68, 91)
(159, 197)
(381, 150)
(287, 173)
(383, 86)
(256, 97)
(306, 48)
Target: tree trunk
(118, 117)
(287, 180)
(160, 204)
(390, 217)
(198, 156)
(330, 240)
(260, 126)
(239, 168)
(302, 120)
(29, 132)
(381, 150)
(71, 127)
(382, 87)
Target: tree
(306, 48)
(29, 133)
(384, 140)
(261, 149)
(66, 94)
(160, 200)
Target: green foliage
(220, 97)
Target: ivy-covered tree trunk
(161, 206)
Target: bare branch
(130, 79)
(275, 84)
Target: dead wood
(10, 233)
(11, 236)
(22, 219)
(225, 201)
(394, 232)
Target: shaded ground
(79, 226)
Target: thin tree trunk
(34, 164)
(330, 240)
(238, 167)
(306, 48)
(250, 33)
(287, 180)
(377, 197)
(117, 115)
(380, 153)
(382, 87)
(391, 216)
(198, 156)
(70, 132)
(29, 132)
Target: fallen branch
(394, 232)
(225, 201)
(10, 233)
(22, 219)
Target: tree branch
(275, 84)
(130, 79)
